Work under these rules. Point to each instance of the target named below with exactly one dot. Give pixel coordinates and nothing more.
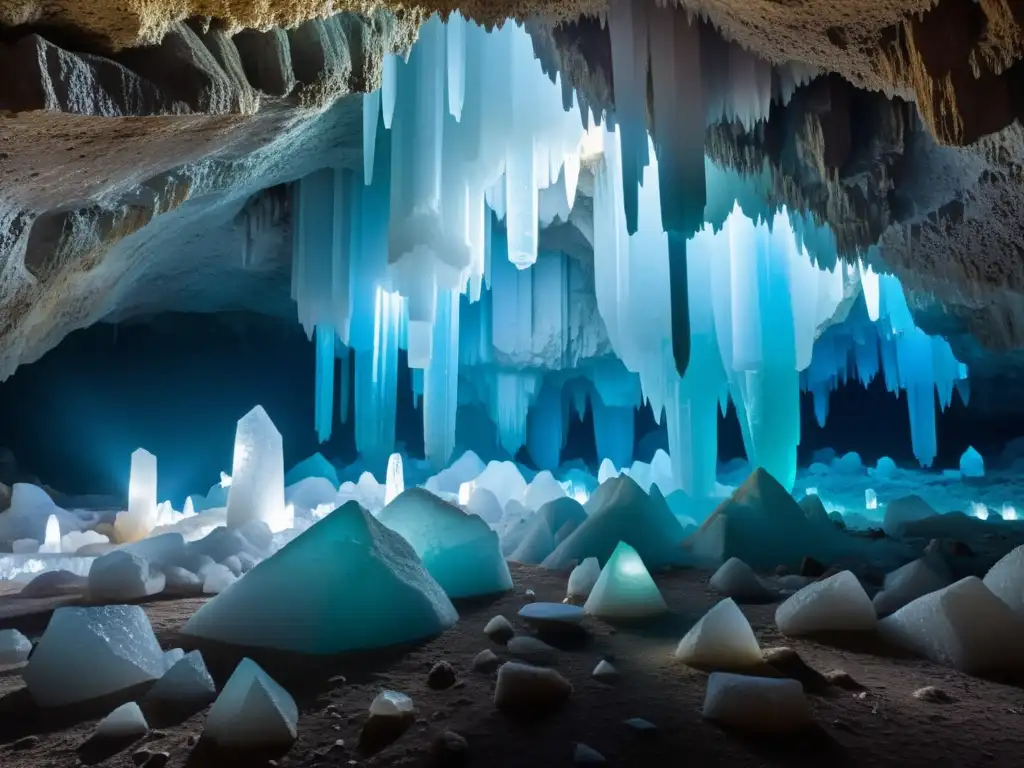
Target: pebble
(933, 695)
(585, 755)
(486, 661)
(441, 676)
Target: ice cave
(515, 383)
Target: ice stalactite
(441, 383)
(376, 382)
(324, 396)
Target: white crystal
(737, 580)
(252, 712)
(906, 584)
(186, 683)
(583, 578)
(120, 577)
(141, 516)
(836, 604)
(1006, 580)
(964, 626)
(722, 639)
(758, 704)
(125, 722)
(391, 704)
(257, 474)
(86, 653)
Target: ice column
(395, 480)
(545, 433)
(141, 516)
(324, 400)
(441, 383)
(376, 387)
(257, 473)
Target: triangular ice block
(625, 589)
(722, 639)
(252, 712)
(836, 604)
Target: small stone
(157, 760)
(585, 755)
(789, 663)
(640, 725)
(841, 679)
(933, 695)
(529, 596)
(192, 740)
(441, 676)
(486, 661)
(499, 630)
(529, 692)
(605, 673)
(533, 650)
(450, 750)
(140, 757)
(811, 567)
(25, 742)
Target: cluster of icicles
(470, 149)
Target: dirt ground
(884, 726)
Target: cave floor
(885, 725)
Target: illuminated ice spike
(51, 543)
(971, 464)
(979, 510)
(324, 394)
(870, 499)
(376, 385)
(225, 480)
(625, 589)
(141, 515)
(395, 483)
(1009, 512)
(257, 471)
(441, 383)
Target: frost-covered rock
(762, 525)
(906, 584)
(458, 549)
(14, 647)
(55, 584)
(504, 480)
(1006, 580)
(392, 704)
(187, 683)
(252, 712)
(604, 672)
(583, 578)
(836, 604)
(485, 504)
(549, 527)
(216, 578)
(722, 639)
(964, 626)
(181, 581)
(737, 580)
(322, 593)
(86, 653)
(122, 577)
(160, 550)
(543, 489)
(906, 509)
(315, 466)
(73, 541)
(625, 589)
(532, 650)
(125, 722)
(528, 691)
(756, 704)
(619, 511)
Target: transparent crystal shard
(257, 474)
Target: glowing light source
(225, 480)
(51, 544)
(870, 499)
(395, 482)
(466, 492)
(979, 510)
(1009, 512)
(625, 590)
(811, 492)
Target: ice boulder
(485, 504)
(885, 469)
(216, 578)
(544, 488)
(86, 653)
(963, 626)
(14, 647)
(848, 464)
(464, 469)
(971, 464)
(907, 583)
(756, 704)
(120, 577)
(722, 639)
(620, 511)
(906, 509)
(55, 584)
(551, 525)
(315, 466)
(30, 510)
(504, 480)
(182, 582)
(458, 549)
(186, 684)
(762, 525)
(836, 604)
(322, 593)
(625, 590)
(814, 509)
(125, 722)
(583, 578)
(252, 712)
(1006, 580)
(310, 493)
(526, 691)
(737, 580)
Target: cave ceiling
(144, 145)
